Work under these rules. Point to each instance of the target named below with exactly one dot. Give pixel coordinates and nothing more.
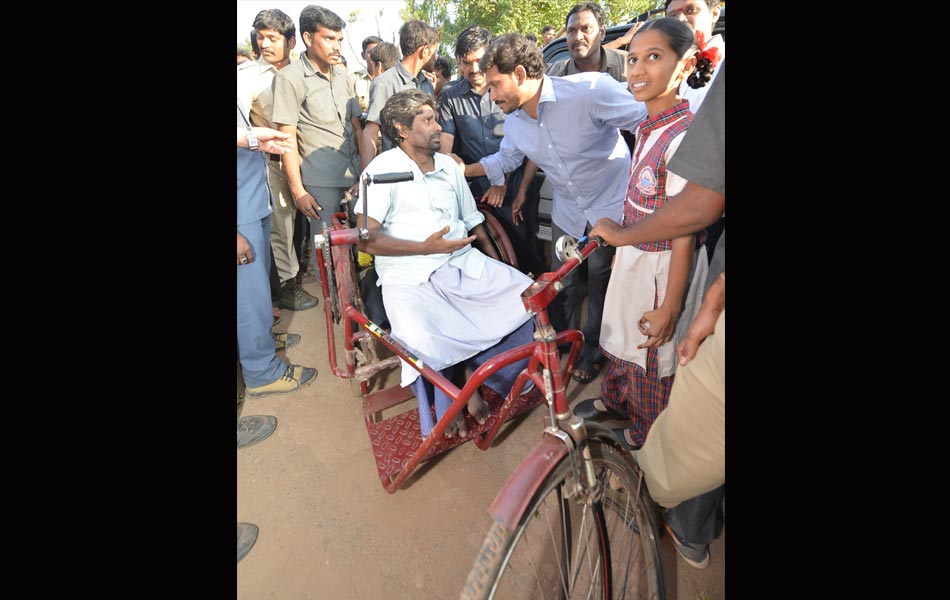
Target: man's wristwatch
(251, 139)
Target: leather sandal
(585, 371)
(594, 409)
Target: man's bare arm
(380, 244)
(368, 143)
(689, 211)
(302, 198)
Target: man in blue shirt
(264, 373)
(475, 125)
(570, 127)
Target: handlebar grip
(391, 177)
(584, 240)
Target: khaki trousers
(282, 222)
(684, 454)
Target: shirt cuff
(493, 171)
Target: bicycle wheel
(556, 551)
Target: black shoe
(623, 434)
(246, 536)
(294, 297)
(251, 430)
(588, 410)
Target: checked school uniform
(638, 381)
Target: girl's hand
(658, 325)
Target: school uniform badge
(646, 181)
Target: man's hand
(273, 141)
(495, 196)
(437, 244)
(623, 40)
(517, 215)
(307, 204)
(244, 253)
(608, 229)
(457, 159)
(714, 302)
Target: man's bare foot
(457, 427)
(480, 411)
(478, 408)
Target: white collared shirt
(414, 210)
(254, 89)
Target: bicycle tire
(512, 564)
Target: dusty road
(328, 529)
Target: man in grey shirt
(315, 100)
(585, 34)
(419, 43)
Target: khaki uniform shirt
(321, 108)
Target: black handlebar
(390, 177)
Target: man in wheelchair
(446, 300)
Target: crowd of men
(308, 127)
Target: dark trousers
(563, 308)
(524, 235)
(698, 520)
(274, 280)
(301, 236)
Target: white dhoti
(453, 316)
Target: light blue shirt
(576, 141)
(253, 192)
(414, 210)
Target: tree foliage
(503, 16)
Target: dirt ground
(328, 528)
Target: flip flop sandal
(627, 443)
(588, 410)
(590, 370)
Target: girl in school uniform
(649, 298)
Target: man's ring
(243, 260)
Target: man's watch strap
(252, 142)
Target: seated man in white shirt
(446, 300)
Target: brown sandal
(585, 371)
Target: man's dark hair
(242, 51)
(402, 107)
(472, 38)
(548, 28)
(444, 66)
(531, 37)
(277, 20)
(710, 3)
(371, 40)
(414, 34)
(314, 16)
(385, 54)
(510, 50)
(592, 7)
(254, 47)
